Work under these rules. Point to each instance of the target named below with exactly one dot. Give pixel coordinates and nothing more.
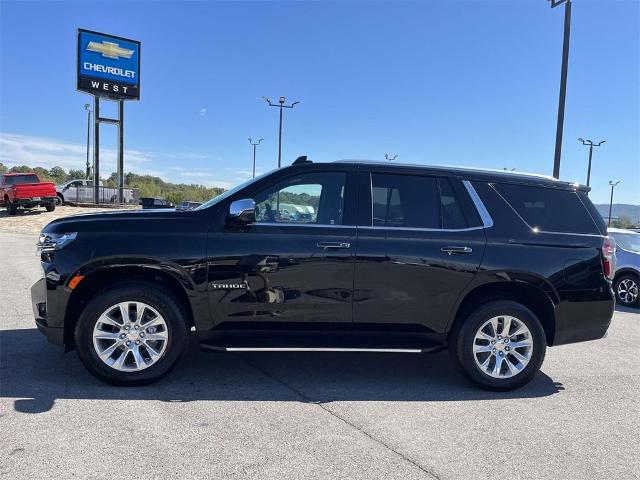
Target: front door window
(312, 198)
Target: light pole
(254, 154)
(391, 159)
(563, 82)
(87, 107)
(591, 145)
(613, 185)
(280, 105)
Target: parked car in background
(27, 191)
(76, 190)
(82, 191)
(626, 281)
(493, 266)
(151, 202)
(187, 205)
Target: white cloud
(203, 112)
(16, 149)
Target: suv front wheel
(131, 334)
(500, 346)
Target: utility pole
(563, 82)
(87, 107)
(613, 185)
(254, 154)
(391, 159)
(591, 145)
(280, 105)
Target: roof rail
(301, 159)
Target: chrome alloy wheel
(627, 291)
(502, 347)
(130, 336)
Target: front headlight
(50, 242)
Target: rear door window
(414, 201)
(548, 209)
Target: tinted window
(451, 211)
(415, 202)
(316, 198)
(628, 241)
(548, 208)
(18, 179)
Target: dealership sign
(108, 66)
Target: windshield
(18, 179)
(228, 193)
(628, 241)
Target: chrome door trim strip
(487, 221)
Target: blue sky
(470, 83)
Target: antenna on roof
(301, 159)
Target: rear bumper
(582, 321)
(55, 335)
(30, 202)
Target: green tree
(58, 174)
(3, 168)
(622, 222)
(76, 175)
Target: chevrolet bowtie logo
(109, 50)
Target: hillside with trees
(148, 185)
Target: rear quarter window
(548, 209)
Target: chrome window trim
(419, 229)
(485, 216)
(315, 225)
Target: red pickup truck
(27, 191)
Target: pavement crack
(307, 399)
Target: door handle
(456, 250)
(326, 245)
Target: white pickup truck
(82, 191)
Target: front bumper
(55, 335)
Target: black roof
(464, 173)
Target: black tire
(59, 201)
(50, 206)
(461, 343)
(11, 208)
(157, 297)
(628, 280)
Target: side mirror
(243, 211)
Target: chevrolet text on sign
(108, 66)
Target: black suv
(494, 266)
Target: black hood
(116, 220)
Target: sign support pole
(120, 152)
(96, 149)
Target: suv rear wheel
(500, 346)
(131, 334)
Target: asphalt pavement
(310, 415)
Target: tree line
(148, 186)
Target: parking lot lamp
(563, 82)
(591, 145)
(280, 105)
(254, 155)
(613, 185)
